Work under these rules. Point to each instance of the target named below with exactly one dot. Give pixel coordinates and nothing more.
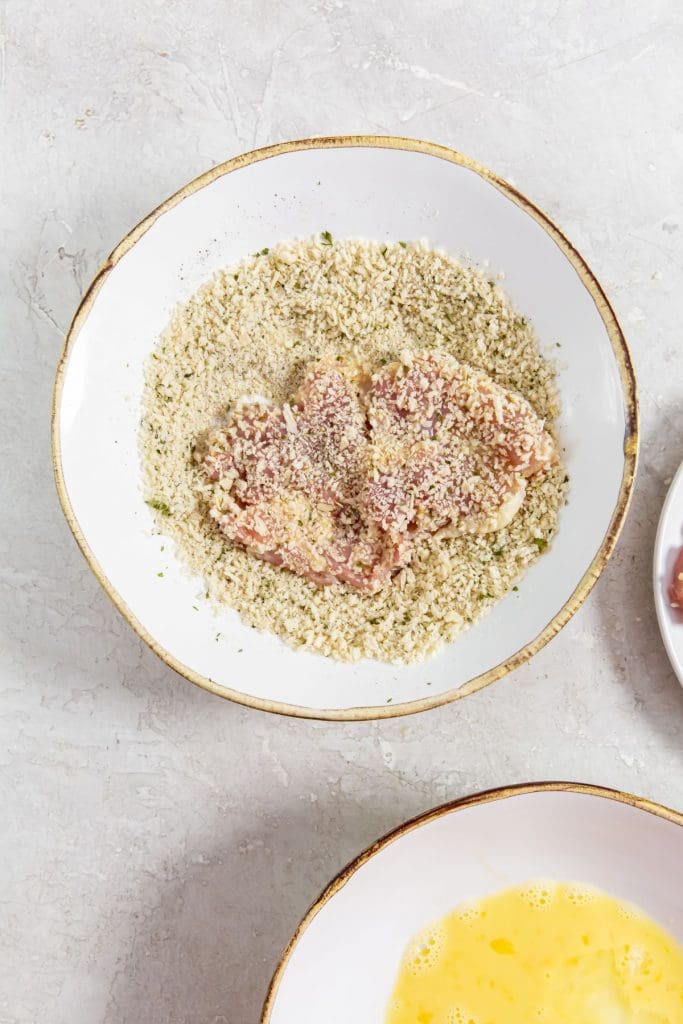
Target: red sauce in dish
(676, 586)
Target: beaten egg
(545, 952)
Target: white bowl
(343, 959)
(668, 543)
(382, 188)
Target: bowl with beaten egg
(540, 902)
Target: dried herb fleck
(160, 506)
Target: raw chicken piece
(676, 587)
(323, 545)
(339, 484)
(289, 481)
(451, 448)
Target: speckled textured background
(159, 845)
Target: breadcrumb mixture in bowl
(251, 331)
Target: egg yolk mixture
(546, 952)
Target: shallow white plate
(343, 959)
(668, 543)
(381, 188)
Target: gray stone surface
(159, 845)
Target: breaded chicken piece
(340, 483)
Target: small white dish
(343, 959)
(380, 188)
(668, 543)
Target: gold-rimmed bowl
(374, 187)
(343, 959)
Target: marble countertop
(159, 845)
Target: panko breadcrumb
(251, 331)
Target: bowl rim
(630, 447)
(484, 797)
